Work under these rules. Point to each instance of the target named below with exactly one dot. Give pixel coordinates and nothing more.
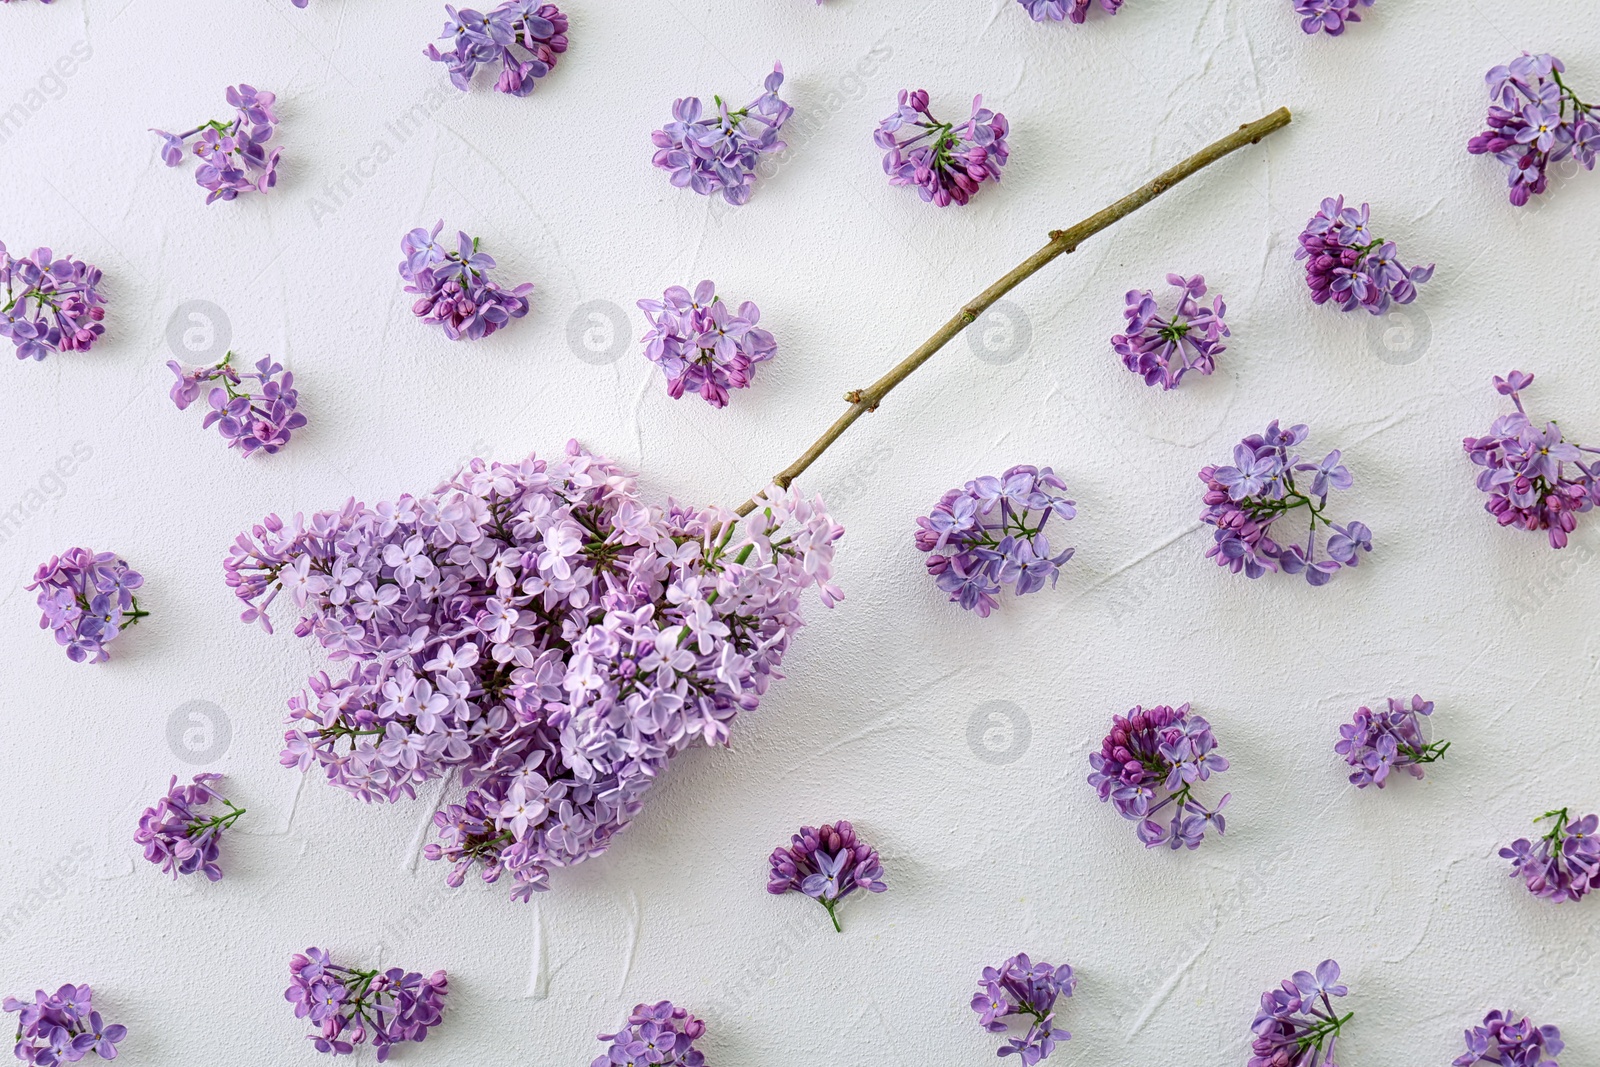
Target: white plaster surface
(984, 858)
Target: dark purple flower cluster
(62, 1027)
(1021, 987)
(455, 287)
(1056, 10)
(1562, 865)
(233, 155)
(1346, 264)
(51, 305)
(87, 599)
(1511, 1043)
(256, 418)
(1329, 16)
(1162, 349)
(719, 151)
(656, 1034)
(350, 1007)
(947, 163)
(1525, 470)
(1377, 742)
(1534, 121)
(1244, 500)
(1298, 1025)
(181, 837)
(1155, 751)
(524, 36)
(827, 864)
(701, 345)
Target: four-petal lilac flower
(827, 864)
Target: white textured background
(992, 841)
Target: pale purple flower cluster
(1346, 264)
(62, 1027)
(1162, 349)
(946, 162)
(1329, 16)
(350, 1007)
(720, 150)
(1244, 500)
(990, 534)
(51, 305)
(1160, 752)
(1535, 120)
(258, 417)
(233, 155)
(656, 1034)
(1510, 1042)
(541, 627)
(524, 36)
(1298, 1025)
(701, 345)
(1020, 987)
(1526, 473)
(87, 599)
(1377, 742)
(1562, 865)
(1056, 10)
(179, 836)
(455, 288)
(827, 864)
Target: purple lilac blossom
(1162, 349)
(1245, 499)
(348, 1006)
(1377, 742)
(1020, 987)
(1346, 264)
(259, 417)
(1154, 757)
(179, 836)
(1329, 16)
(946, 162)
(701, 345)
(1298, 1025)
(719, 151)
(1535, 120)
(1056, 10)
(233, 155)
(87, 599)
(1562, 865)
(1526, 470)
(49, 304)
(540, 627)
(62, 1027)
(454, 287)
(827, 864)
(524, 36)
(660, 1035)
(1510, 1042)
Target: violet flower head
(1535, 120)
(1562, 865)
(1377, 742)
(1153, 758)
(1019, 987)
(946, 162)
(253, 412)
(49, 304)
(1345, 263)
(1329, 16)
(702, 345)
(655, 1034)
(1511, 1042)
(62, 1027)
(349, 1007)
(1298, 1026)
(525, 37)
(88, 600)
(827, 864)
(454, 286)
(233, 153)
(1056, 10)
(179, 835)
(717, 150)
(1162, 349)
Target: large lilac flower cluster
(701, 345)
(1525, 470)
(990, 534)
(1510, 1042)
(62, 1027)
(256, 418)
(1245, 499)
(50, 305)
(827, 864)
(1056, 10)
(349, 1007)
(719, 151)
(1377, 742)
(455, 288)
(233, 155)
(524, 36)
(182, 838)
(87, 599)
(1298, 1026)
(543, 629)
(946, 162)
(1346, 264)
(656, 1034)
(1155, 751)
(1329, 16)
(1020, 987)
(1535, 120)
(1562, 865)
(1162, 349)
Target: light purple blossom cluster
(1510, 1042)
(990, 534)
(1562, 865)
(701, 345)
(542, 628)
(455, 288)
(259, 417)
(233, 155)
(524, 36)
(827, 864)
(1056, 10)
(1329, 16)
(1525, 470)
(1154, 751)
(656, 1034)
(1377, 742)
(1243, 501)
(719, 151)
(1535, 120)
(1298, 1026)
(51, 304)
(350, 1007)
(87, 599)
(946, 162)
(62, 1027)
(1162, 349)
(182, 838)
(1346, 264)
(1020, 987)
